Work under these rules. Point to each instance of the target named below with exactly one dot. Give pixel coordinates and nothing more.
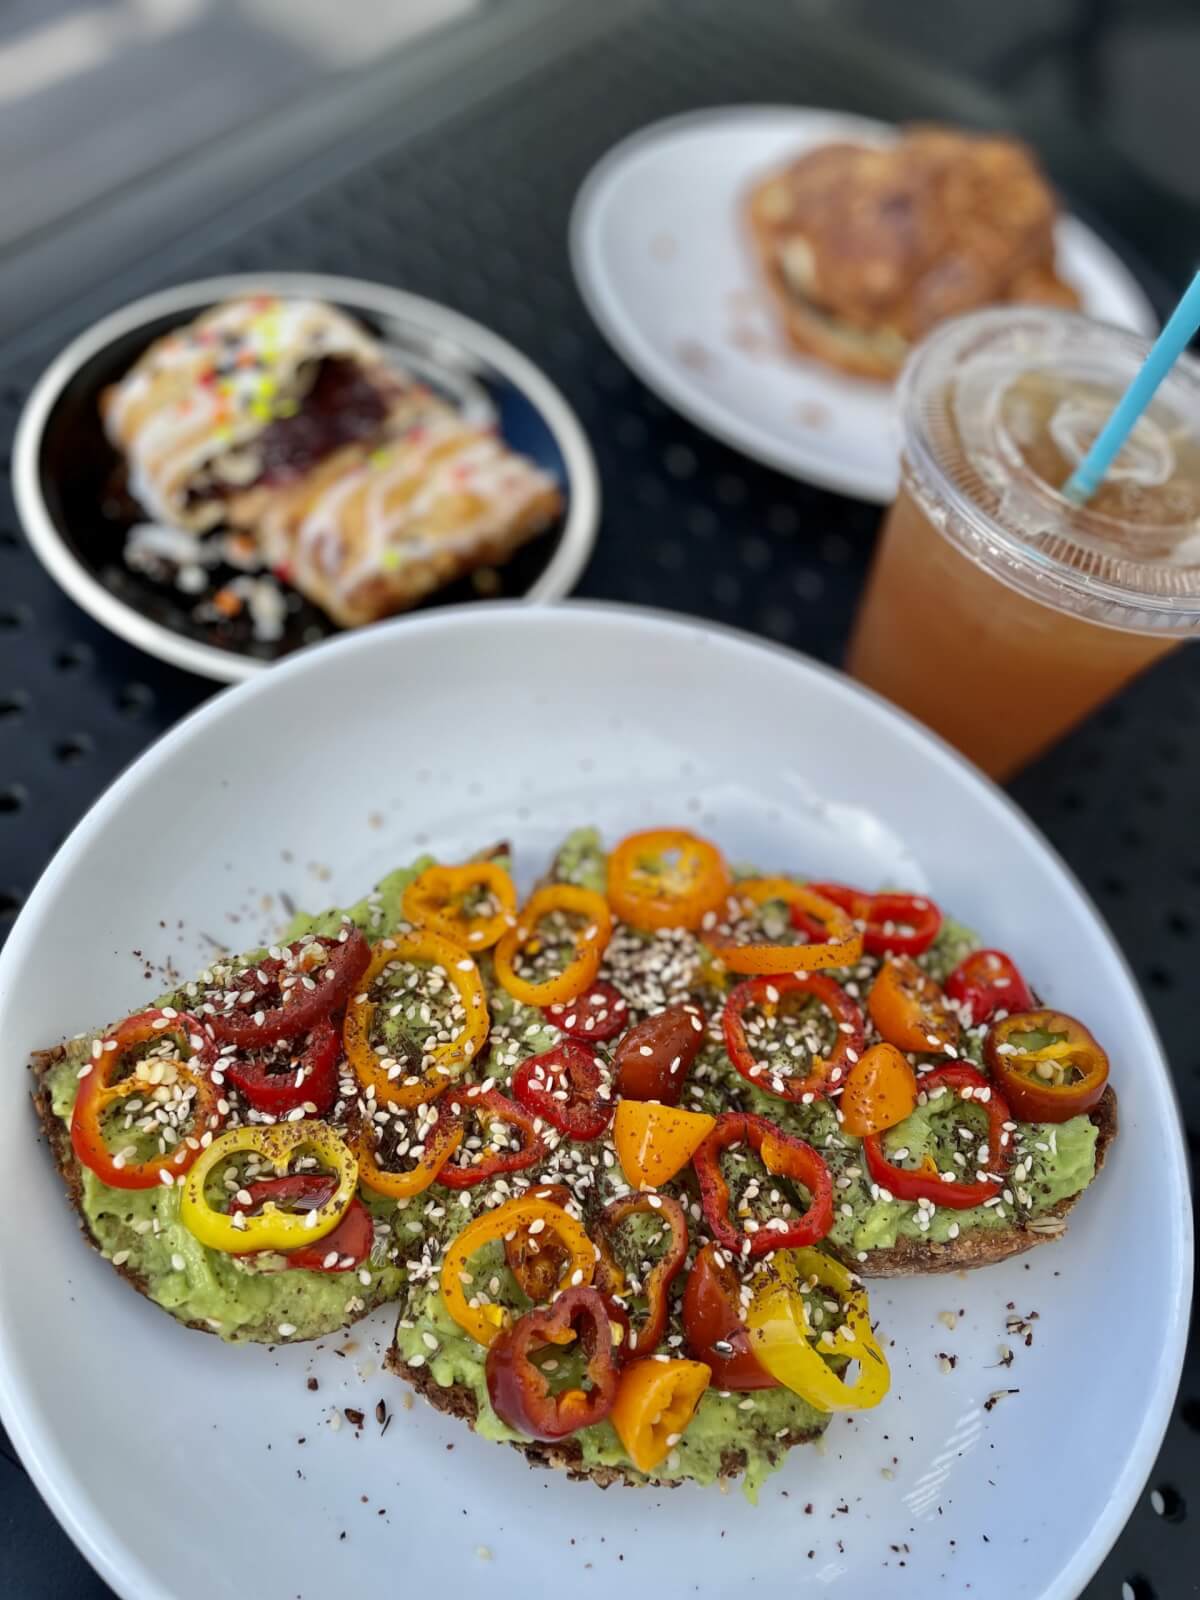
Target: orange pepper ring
(462, 973)
(441, 1141)
(590, 944)
(679, 897)
(842, 948)
(430, 898)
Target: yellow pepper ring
(279, 1143)
(590, 944)
(434, 900)
(484, 1322)
(452, 1057)
(841, 947)
(782, 1340)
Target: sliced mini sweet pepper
(654, 1142)
(278, 1081)
(483, 1320)
(840, 944)
(473, 905)
(347, 1247)
(656, 1400)
(565, 1088)
(948, 1087)
(988, 981)
(182, 1087)
(910, 1010)
(656, 1282)
(447, 1060)
(666, 878)
(284, 996)
(438, 1134)
(536, 1260)
(278, 1145)
(1048, 1065)
(880, 1091)
(715, 1325)
(520, 1390)
(773, 996)
(892, 924)
(783, 1339)
(588, 943)
(781, 1154)
(490, 1160)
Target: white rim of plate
(626, 340)
(102, 1544)
(210, 661)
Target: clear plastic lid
(998, 407)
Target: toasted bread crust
(459, 1401)
(58, 1139)
(978, 1248)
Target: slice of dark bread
(981, 1247)
(58, 1139)
(459, 1401)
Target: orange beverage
(996, 611)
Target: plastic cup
(998, 612)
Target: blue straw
(1168, 347)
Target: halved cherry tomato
(892, 924)
(473, 905)
(745, 1044)
(910, 1010)
(598, 1014)
(1048, 1064)
(782, 1154)
(284, 996)
(715, 1327)
(880, 1091)
(309, 1079)
(988, 981)
(536, 1260)
(563, 1086)
(347, 1247)
(588, 943)
(666, 878)
(948, 1086)
(182, 1088)
(840, 943)
(489, 1162)
(653, 1059)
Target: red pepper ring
(311, 1080)
(99, 1092)
(769, 993)
(569, 1069)
(598, 1014)
(610, 1280)
(715, 1326)
(781, 1154)
(480, 1165)
(988, 981)
(299, 1008)
(893, 924)
(347, 1247)
(925, 1182)
(520, 1391)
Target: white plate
(661, 260)
(477, 370)
(174, 1460)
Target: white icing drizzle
(171, 423)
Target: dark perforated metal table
(450, 172)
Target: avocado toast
(605, 1147)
